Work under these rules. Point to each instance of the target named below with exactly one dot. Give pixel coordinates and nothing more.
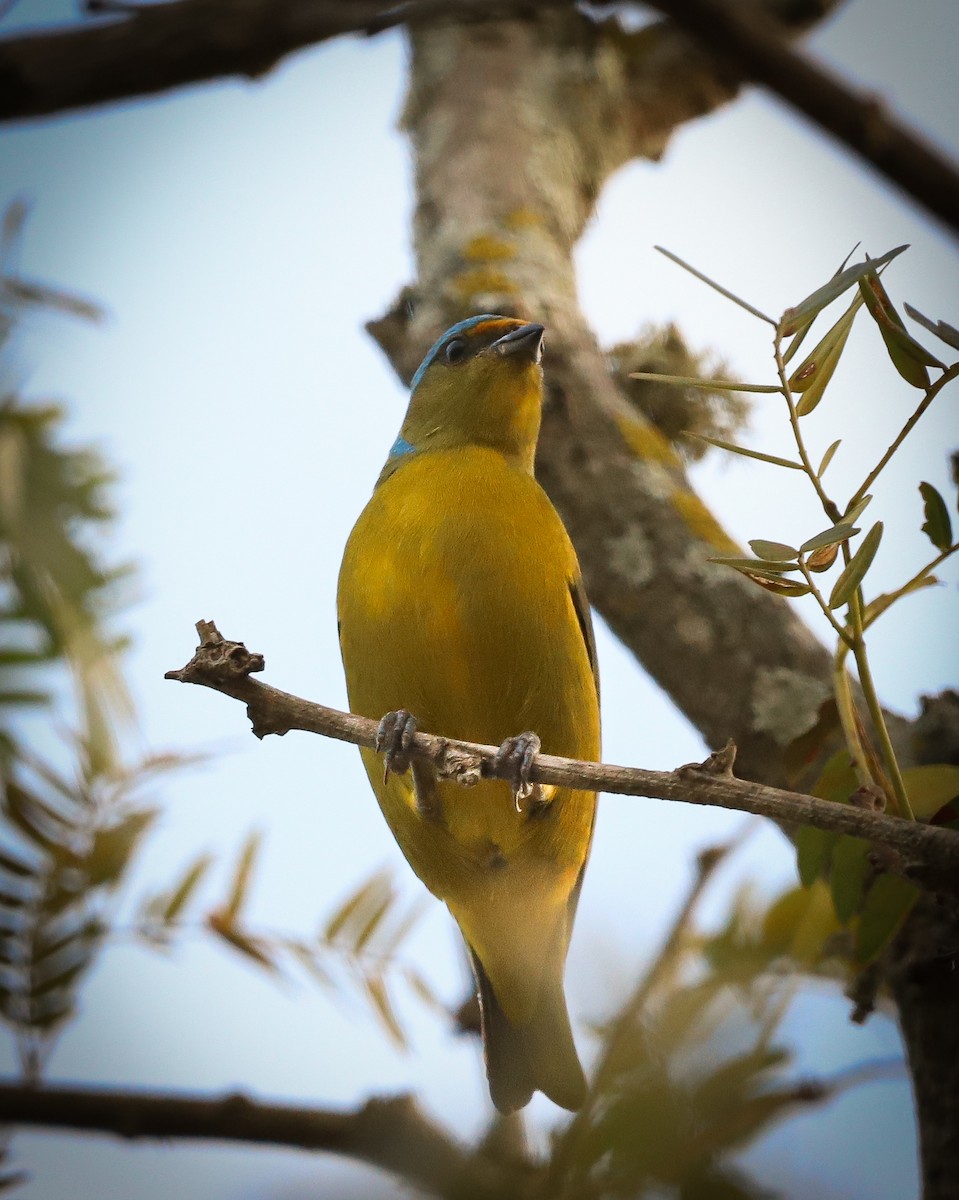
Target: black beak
(526, 341)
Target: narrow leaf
(816, 301)
(185, 889)
(798, 339)
(308, 960)
(832, 536)
(888, 903)
(373, 921)
(353, 902)
(249, 947)
(45, 828)
(241, 878)
(733, 449)
(380, 997)
(805, 327)
(709, 385)
(716, 286)
(816, 370)
(907, 355)
(813, 848)
(827, 458)
(112, 848)
(946, 333)
(757, 566)
(847, 875)
(875, 608)
(780, 587)
(854, 571)
(937, 526)
(852, 514)
(775, 551)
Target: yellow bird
(462, 612)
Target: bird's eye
(455, 350)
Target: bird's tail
(539, 1054)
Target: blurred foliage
(356, 955)
(689, 1070)
(683, 414)
(57, 594)
(67, 834)
(65, 845)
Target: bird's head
(480, 384)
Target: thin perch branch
(930, 854)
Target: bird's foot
(393, 740)
(514, 761)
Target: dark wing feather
(584, 618)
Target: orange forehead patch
(494, 329)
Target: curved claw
(393, 740)
(514, 761)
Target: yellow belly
(454, 603)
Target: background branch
(226, 666)
(391, 1133)
(153, 48)
(754, 46)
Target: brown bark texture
(516, 127)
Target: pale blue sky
(240, 234)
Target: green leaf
(816, 370)
(855, 570)
(765, 567)
(807, 324)
(185, 888)
(781, 587)
(357, 902)
(716, 286)
(889, 902)
(46, 829)
(930, 788)
(814, 303)
(113, 847)
(855, 511)
(734, 449)
(908, 357)
(249, 947)
(847, 875)
(946, 333)
(837, 780)
(380, 999)
(827, 458)
(813, 849)
(373, 921)
(241, 878)
(767, 573)
(876, 607)
(306, 956)
(937, 525)
(778, 552)
(829, 537)
(709, 385)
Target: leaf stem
(829, 506)
(947, 377)
(880, 728)
(841, 630)
(848, 719)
